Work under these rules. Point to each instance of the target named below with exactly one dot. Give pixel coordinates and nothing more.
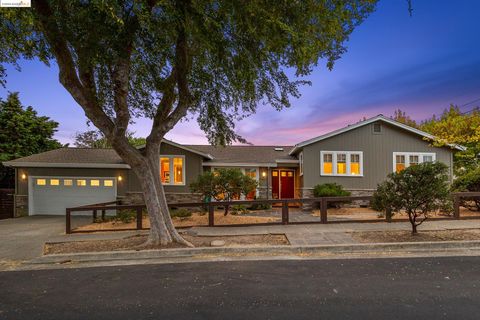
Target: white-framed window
(172, 170)
(341, 163)
(402, 160)
(300, 160)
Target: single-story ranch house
(358, 157)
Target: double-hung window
(402, 160)
(172, 170)
(341, 163)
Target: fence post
(388, 215)
(323, 210)
(68, 227)
(94, 215)
(211, 215)
(103, 214)
(139, 218)
(456, 206)
(285, 213)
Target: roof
(380, 117)
(72, 157)
(245, 155)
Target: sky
(420, 64)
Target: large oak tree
(166, 59)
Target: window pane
(413, 160)
(54, 182)
(400, 163)
(81, 183)
(178, 170)
(41, 182)
(427, 159)
(252, 173)
(283, 174)
(165, 170)
(108, 183)
(274, 173)
(355, 164)
(68, 182)
(377, 127)
(95, 183)
(290, 173)
(341, 163)
(327, 163)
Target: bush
(180, 213)
(418, 190)
(468, 181)
(330, 190)
(260, 206)
(239, 209)
(126, 215)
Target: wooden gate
(6, 203)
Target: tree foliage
(96, 139)
(469, 181)
(402, 117)
(417, 190)
(223, 184)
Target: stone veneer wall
(21, 205)
(264, 193)
(308, 193)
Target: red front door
(283, 184)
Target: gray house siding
(377, 155)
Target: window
(252, 173)
(68, 182)
(54, 182)
(275, 173)
(81, 183)
(95, 183)
(41, 182)
(300, 160)
(402, 160)
(377, 128)
(327, 163)
(341, 163)
(172, 170)
(108, 183)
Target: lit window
(300, 160)
(54, 182)
(275, 173)
(178, 171)
(354, 164)
(341, 163)
(95, 183)
(290, 174)
(41, 182)
(327, 163)
(172, 167)
(252, 173)
(108, 183)
(68, 182)
(404, 160)
(81, 183)
(283, 174)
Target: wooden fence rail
(321, 203)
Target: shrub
(418, 190)
(239, 209)
(330, 190)
(126, 215)
(260, 206)
(469, 181)
(180, 213)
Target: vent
(278, 149)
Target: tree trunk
(162, 230)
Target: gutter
(15, 164)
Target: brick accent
(21, 205)
(306, 193)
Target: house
(358, 157)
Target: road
(409, 288)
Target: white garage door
(52, 195)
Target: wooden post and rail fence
(321, 203)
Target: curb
(259, 251)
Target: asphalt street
(409, 288)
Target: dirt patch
(135, 243)
(197, 219)
(406, 236)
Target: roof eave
(19, 164)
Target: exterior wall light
(264, 174)
(120, 178)
(24, 176)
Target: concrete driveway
(23, 238)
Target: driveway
(23, 238)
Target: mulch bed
(135, 243)
(406, 236)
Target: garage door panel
(54, 199)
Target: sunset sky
(419, 64)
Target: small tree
(469, 181)
(224, 184)
(417, 190)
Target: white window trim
(334, 163)
(407, 158)
(300, 158)
(172, 183)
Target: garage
(52, 195)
